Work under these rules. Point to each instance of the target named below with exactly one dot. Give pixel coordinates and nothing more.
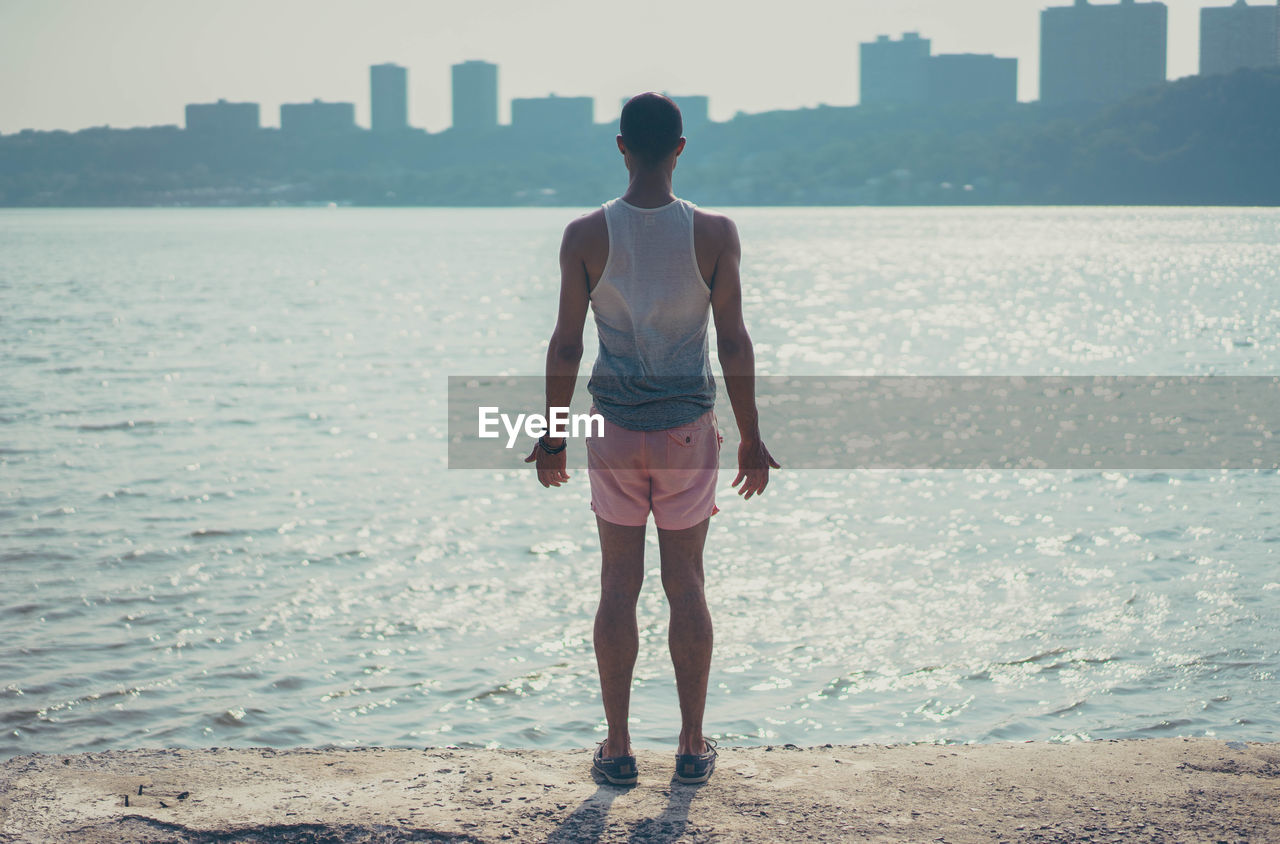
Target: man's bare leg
(689, 635)
(617, 638)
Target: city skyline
(766, 66)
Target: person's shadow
(673, 821)
(587, 822)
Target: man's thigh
(681, 552)
(683, 479)
(618, 477)
(621, 556)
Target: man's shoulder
(587, 228)
(714, 227)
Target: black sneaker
(693, 768)
(618, 770)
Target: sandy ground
(1170, 790)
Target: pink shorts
(671, 473)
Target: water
(225, 517)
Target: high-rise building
(388, 98)
(905, 72)
(894, 71)
(317, 117)
(1101, 53)
(1239, 35)
(972, 78)
(552, 115)
(223, 117)
(695, 110)
(475, 96)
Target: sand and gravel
(1167, 790)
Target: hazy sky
(68, 64)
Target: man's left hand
(551, 467)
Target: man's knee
(683, 582)
(620, 593)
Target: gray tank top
(651, 306)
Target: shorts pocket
(693, 448)
(689, 437)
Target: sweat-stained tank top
(651, 307)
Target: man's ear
(621, 147)
(680, 147)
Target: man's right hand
(754, 462)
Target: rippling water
(225, 517)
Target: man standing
(652, 267)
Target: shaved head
(651, 127)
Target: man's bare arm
(564, 352)
(738, 362)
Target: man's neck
(649, 189)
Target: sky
(71, 64)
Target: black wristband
(542, 443)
